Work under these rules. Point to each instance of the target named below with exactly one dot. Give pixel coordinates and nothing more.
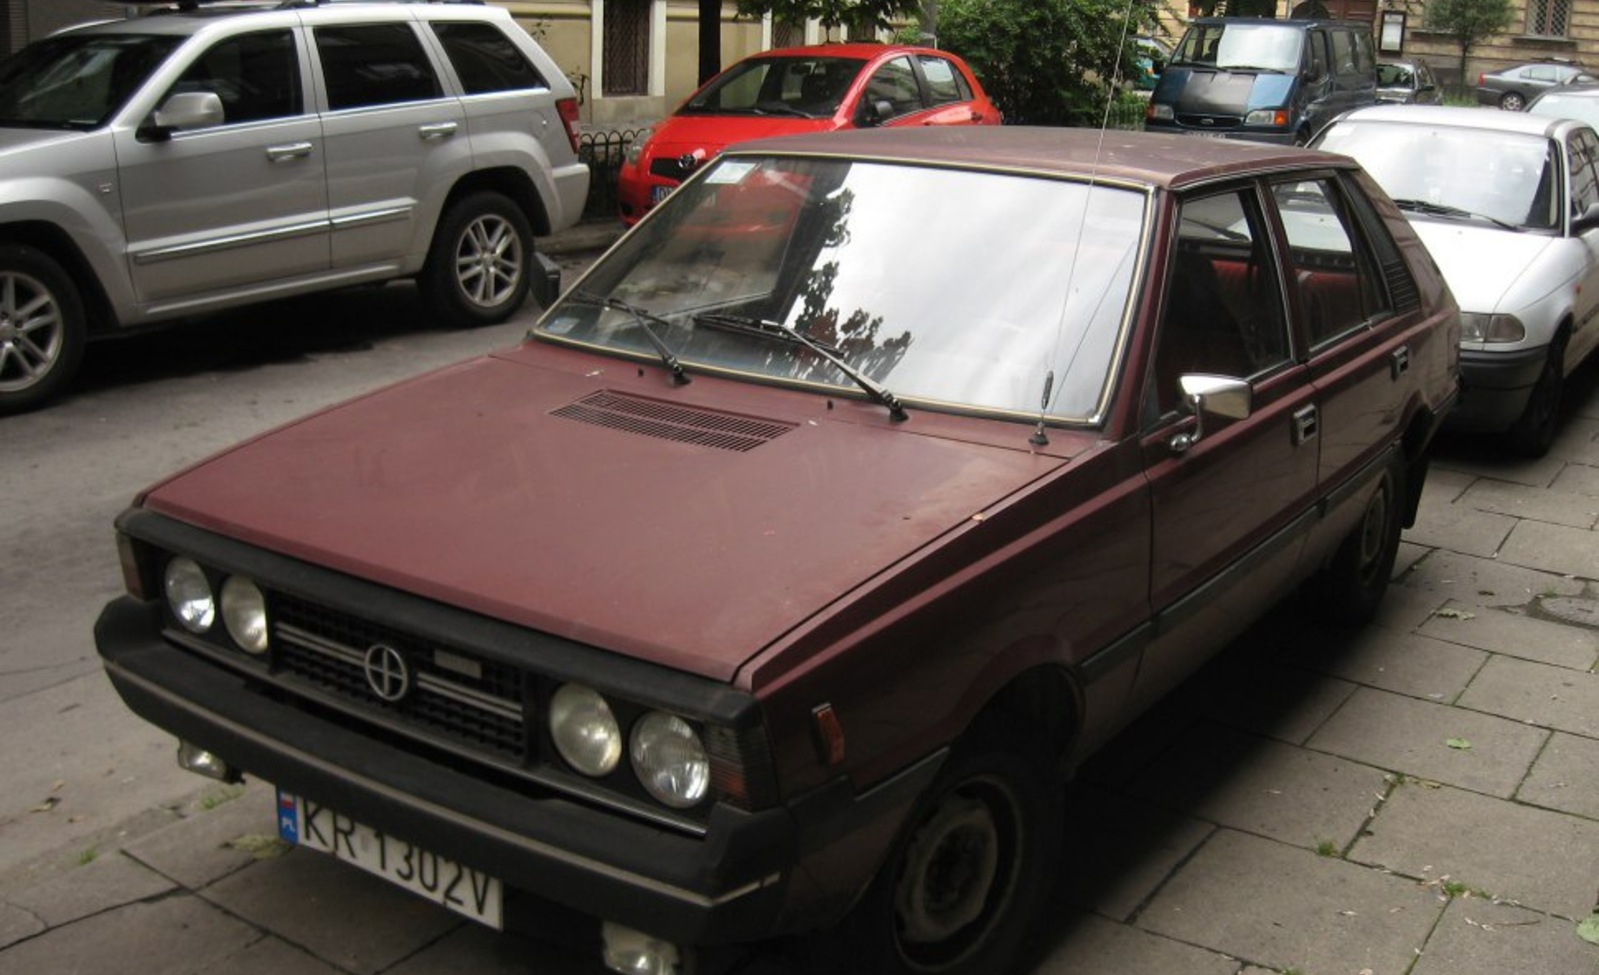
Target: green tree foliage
(874, 14)
(1046, 62)
(1469, 22)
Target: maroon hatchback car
(869, 483)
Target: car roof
(164, 19)
(1151, 159)
(1490, 120)
(859, 49)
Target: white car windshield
(952, 288)
(1507, 178)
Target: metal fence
(603, 151)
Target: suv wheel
(478, 270)
(42, 328)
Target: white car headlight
(670, 759)
(1477, 327)
(189, 595)
(585, 731)
(635, 149)
(244, 614)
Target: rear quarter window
(486, 60)
(375, 64)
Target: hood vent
(668, 421)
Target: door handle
(292, 150)
(438, 130)
(1399, 361)
(1306, 423)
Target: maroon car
(868, 483)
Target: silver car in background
(191, 160)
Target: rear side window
(1330, 266)
(486, 60)
(375, 64)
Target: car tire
(1512, 101)
(970, 871)
(1348, 591)
(1534, 431)
(42, 328)
(480, 265)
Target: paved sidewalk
(1417, 798)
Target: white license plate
(459, 888)
(659, 193)
(1207, 135)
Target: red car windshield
(811, 87)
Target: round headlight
(585, 731)
(669, 759)
(244, 614)
(189, 595)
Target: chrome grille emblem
(387, 673)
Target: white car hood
(1482, 263)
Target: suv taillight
(568, 109)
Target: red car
(801, 89)
(866, 486)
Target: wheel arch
(60, 247)
(509, 181)
(1043, 701)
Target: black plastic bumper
(1496, 386)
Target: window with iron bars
(1548, 18)
(626, 63)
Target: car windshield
(811, 87)
(949, 288)
(1506, 177)
(1556, 105)
(1262, 47)
(76, 81)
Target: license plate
(1207, 135)
(659, 193)
(459, 888)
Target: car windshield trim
(817, 247)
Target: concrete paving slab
(1516, 501)
(1484, 459)
(202, 848)
(1553, 548)
(166, 937)
(1282, 907)
(17, 924)
(1403, 734)
(308, 898)
(1478, 937)
(1121, 850)
(1577, 439)
(269, 956)
(1485, 582)
(1563, 777)
(97, 886)
(1544, 860)
(1578, 479)
(1406, 663)
(1090, 945)
(1516, 634)
(1445, 486)
(1537, 694)
(1403, 607)
(1255, 785)
(1460, 528)
(1408, 555)
(1276, 701)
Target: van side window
(1316, 44)
(1343, 51)
(1365, 55)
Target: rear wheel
(1349, 590)
(1512, 101)
(1534, 430)
(42, 328)
(479, 268)
(966, 877)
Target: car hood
(1208, 91)
(683, 134)
(502, 486)
(1481, 263)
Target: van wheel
(971, 869)
(478, 270)
(1349, 590)
(1512, 101)
(42, 328)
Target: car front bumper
(1496, 387)
(745, 879)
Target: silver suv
(195, 159)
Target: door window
(1583, 151)
(944, 81)
(895, 83)
(257, 77)
(375, 64)
(486, 60)
(1332, 277)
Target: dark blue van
(1269, 80)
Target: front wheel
(1512, 102)
(479, 268)
(1534, 431)
(42, 328)
(1348, 591)
(965, 879)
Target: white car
(1508, 204)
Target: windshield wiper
(778, 108)
(1443, 210)
(783, 333)
(646, 322)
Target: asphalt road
(73, 760)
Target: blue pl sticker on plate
(288, 818)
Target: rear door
(394, 137)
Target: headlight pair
(194, 604)
(667, 753)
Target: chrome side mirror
(185, 110)
(1219, 396)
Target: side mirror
(185, 110)
(1218, 396)
(1589, 220)
(872, 113)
